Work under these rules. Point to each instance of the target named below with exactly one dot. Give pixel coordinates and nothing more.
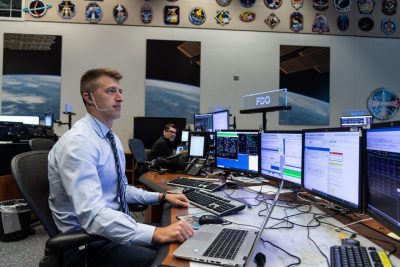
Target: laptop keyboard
(227, 244)
(196, 183)
(213, 203)
(353, 256)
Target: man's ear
(87, 98)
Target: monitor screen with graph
(281, 155)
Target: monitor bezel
(340, 202)
(276, 178)
(232, 169)
(202, 114)
(205, 135)
(227, 119)
(381, 219)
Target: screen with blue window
(281, 156)
(237, 150)
(383, 174)
(203, 122)
(331, 165)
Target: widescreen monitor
(281, 156)
(237, 150)
(29, 120)
(198, 144)
(203, 122)
(364, 121)
(383, 174)
(332, 163)
(220, 120)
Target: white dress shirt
(83, 186)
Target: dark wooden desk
(157, 182)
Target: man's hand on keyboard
(179, 231)
(177, 200)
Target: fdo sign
(275, 98)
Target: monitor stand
(246, 179)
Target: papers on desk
(268, 189)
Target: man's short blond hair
(89, 80)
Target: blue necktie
(121, 184)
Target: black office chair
(139, 154)
(30, 173)
(41, 144)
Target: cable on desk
(278, 247)
(309, 237)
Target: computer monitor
(237, 150)
(281, 155)
(185, 136)
(331, 165)
(203, 122)
(48, 119)
(220, 120)
(198, 144)
(383, 174)
(364, 121)
(29, 120)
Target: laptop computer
(201, 246)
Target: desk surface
(294, 240)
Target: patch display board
(258, 13)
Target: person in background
(163, 147)
(89, 190)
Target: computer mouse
(210, 219)
(350, 242)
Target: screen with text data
(332, 165)
(237, 151)
(383, 174)
(281, 156)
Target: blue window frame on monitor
(383, 173)
(237, 150)
(203, 122)
(220, 120)
(281, 155)
(331, 165)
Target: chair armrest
(137, 207)
(73, 239)
(144, 162)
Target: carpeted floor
(29, 251)
(24, 253)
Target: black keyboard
(354, 256)
(213, 203)
(227, 244)
(196, 183)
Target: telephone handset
(194, 166)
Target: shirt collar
(100, 128)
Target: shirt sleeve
(78, 166)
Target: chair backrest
(30, 173)
(41, 144)
(137, 148)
